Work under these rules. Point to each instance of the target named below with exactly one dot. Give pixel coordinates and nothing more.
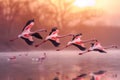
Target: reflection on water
(68, 63)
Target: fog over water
(68, 63)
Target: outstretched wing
(56, 44)
(37, 35)
(82, 75)
(99, 72)
(79, 46)
(28, 26)
(27, 41)
(100, 50)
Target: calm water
(68, 63)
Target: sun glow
(84, 3)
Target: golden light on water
(84, 3)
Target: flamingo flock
(54, 38)
(39, 59)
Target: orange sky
(112, 12)
(110, 16)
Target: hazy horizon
(100, 22)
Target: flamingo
(12, 58)
(44, 56)
(53, 37)
(96, 46)
(26, 34)
(40, 59)
(77, 42)
(97, 75)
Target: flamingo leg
(41, 43)
(85, 52)
(13, 39)
(65, 35)
(63, 48)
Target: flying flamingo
(97, 75)
(96, 46)
(77, 42)
(26, 34)
(53, 37)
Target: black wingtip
(37, 35)
(80, 47)
(56, 44)
(27, 23)
(100, 72)
(100, 50)
(82, 75)
(28, 41)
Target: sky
(110, 16)
(112, 12)
(106, 35)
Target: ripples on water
(68, 63)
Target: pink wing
(28, 25)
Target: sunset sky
(112, 13)
(68, 18)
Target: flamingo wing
(82, 75)
(27, 41)
(37, 35)
(55, 43)
(28, 26)
(99, 72)
(100, 50)
(79, 46)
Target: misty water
(68, 63)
